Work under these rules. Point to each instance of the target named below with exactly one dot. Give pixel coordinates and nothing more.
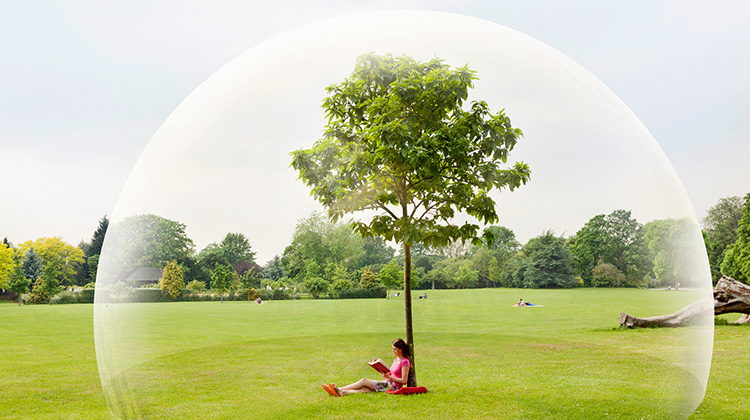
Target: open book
(378, 365)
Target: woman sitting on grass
(392, 380)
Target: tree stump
(729, 296)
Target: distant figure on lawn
(258, 300)
(392, 380)
(522, 303)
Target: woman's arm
(404, 376)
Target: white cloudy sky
(85, 85)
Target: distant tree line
(327, 259)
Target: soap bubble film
(220, 163)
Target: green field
(479, 357)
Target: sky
(86, 85)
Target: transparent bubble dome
(220, 163)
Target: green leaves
(398, 140)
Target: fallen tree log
(729, 296)
(732, 296)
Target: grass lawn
(479, 357)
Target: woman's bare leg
(362, 385)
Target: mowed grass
(479, 357)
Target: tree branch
(382, 206)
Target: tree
(399, 142)
(249, 281)
(207, 264)
(18, 284)
(93, 265)
(91, 251)
(374, 252)
(545, 262)
(494, 273)
(58, 258)
(606, 274)
(31, 265)
(318, 240)
(391, 276)
(466, 276)
(210, 249)
(339, 286)
(316, 286)
(489, 262)
(243, 267)
(737, 256)
(617, 239)
(273, 269)
(454, 249)
(369, 280)
(221, 280)
(8, 264)
(172, 281)
(505, 239)
(148, 240)
(674, 248)
(97, 239)
(41, 291)
(720, 226)
(235, 247)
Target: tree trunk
(412, 379)
(729, 296)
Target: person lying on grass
(522, 303)
(392, 380)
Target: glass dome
(220, 163)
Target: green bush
(40, 294)
(172, 281)
(276, 294)
(86, 296)
(338, 286)
(64, 298)
(316, 286)
(196, 285)
(150, 295)
(362, 293)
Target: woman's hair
(401, 344)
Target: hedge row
(362, 293)
(84, 296)
(157, 295)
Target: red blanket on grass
(408, 390)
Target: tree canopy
(235, 247)
(59, 260)
(672, 244)
(7, 264)
(736, 262)
(325, 243)
(172, 281)
(222, 279)
(720, 228)
(615, 238)
(544, 262)
(399, 142)
(148, 240)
